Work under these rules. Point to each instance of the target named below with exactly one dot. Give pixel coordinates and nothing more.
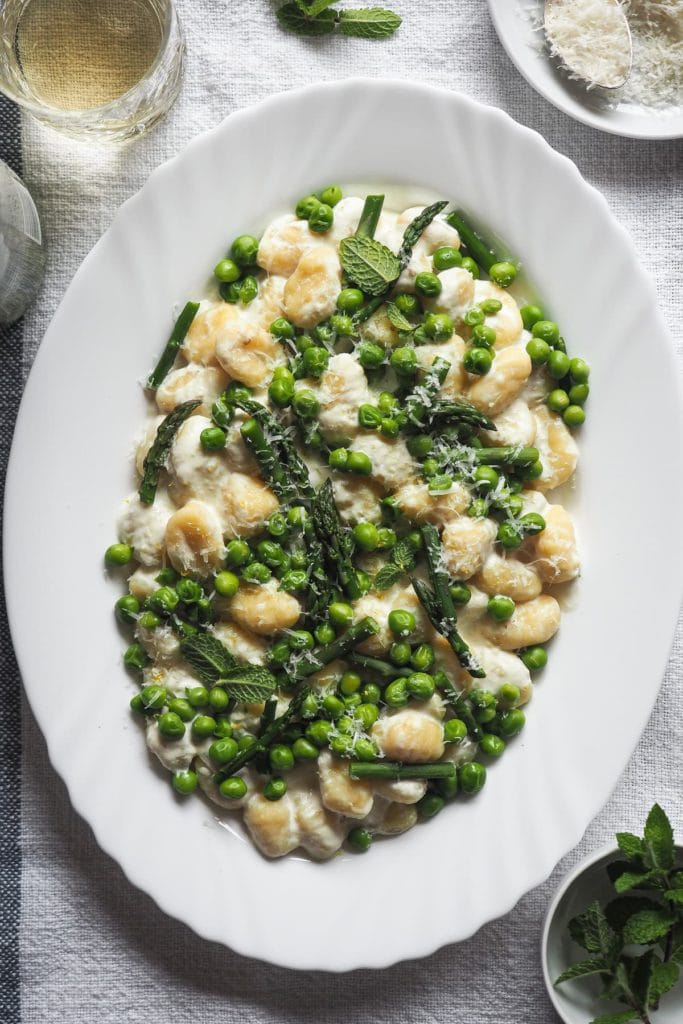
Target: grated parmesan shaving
(590, 36)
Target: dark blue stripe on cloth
(10, 703)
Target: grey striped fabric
(93, 949)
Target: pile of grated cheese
(591, 37)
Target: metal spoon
(580, 64)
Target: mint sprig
(647, 913)
(318, 18)
(368, 264)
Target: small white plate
(577, 1002)
(515, 22)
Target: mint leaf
(314, 7)
(293, 19)
(251, 684)
(582, 969)
(396, 317)
(402, 561)
(369, 23)
(619, 910)
(658, 840)
(368, 263)
(674, 895)
(210, 659)
(647, 926)
(641, 977)
(631, 880)
(616, 1018)
(415, 229)
(664, 977)
(593, 932)
(629, 844)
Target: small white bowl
(577, 1001)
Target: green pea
(233, 788)
(256, 572)
(306, 206)
(246, 741)
(454, 731)
(401, 623)
(135, 657)
(331, 195)
(478, 509)
(439, 326)
(387, 403)
(198, 696)
(371, 693)
(482, 698)
(428, 284)
(218, 699)
(509, 694)
(341, 614)
(491, 306)
(223, 730)
(182, 708)
(422, 658)
(204, 726)
(471, 777)
(441, 482)
(237, 553)
(557, 400)
(396, 694)
(301, 640)
(367, 714)
(400, 653)
(492, 746)
(281, 392)
(349, 683)
(508, 536)
(184, 781)
(359, 462)
(117, 555)
(531, 315)
(321, 219)
(315, 361)
(535, 658)
(171, 725)
(271, 553)
(420, 445)
(366, 536)
(127, 608)
(538, 351)
(500, 608)
(532, 523)
(153, 697)
(244, 250)
(275, 789)
(281, 757)
(578, 393)
(325, 633)
(310, 706)
(212, 439)
(227, 271)
(448, 788)
(574, 416)
(445, 257)
(226, 583)
(350, 300)
(148, 620)
(360, 839)
(414, 538)
(365, 749)
(404, 361)
(222, 751)
(558, 364)
(486, 479)
(483, 335)
(332, 706)
(579, 370)
(421, 685)
(430, 805)
(408, 304)
(248, 289)
(511, 722)
(389, 427)
(503, 274)
(369, 417)
(532, 471)
(318, 732)
(304, 750)
(338, 458)
(477, 360)
(137, 705)
(548, 330)
(474, 317)
(294, 581)
(282, 328)
(305, 403)
(167, 577)
(189, 591)
(471, 266)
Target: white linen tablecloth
(94, 949)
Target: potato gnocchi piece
(556, 554)
(249, 353)
(342, 389)
(502, 384)
(320, 833)
(514, 425)
(144, 527)
(173, 754)
(244, 645)
(392, 819)
(503, 667)
(508, 576)
(452, 351)
(466, 545)
(557, 450)
(400, 791)
(507, 322)
(392, 463)
(205, 776)
(196, 473)
(409, 735)
(357, 499)
(284, 242)
(272, 824)
(212, 321)
(205, 383)
(340, 793)
(145, 443)
(378, 606)
(143, 582)
(456, 295)
(311, 292)
(263, 609)
(532, 622)
(244, 504)
(194, 539)
(421, 505)
(163, 646)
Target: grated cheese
(590, 36)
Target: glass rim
(43, 111)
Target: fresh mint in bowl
(612, 946)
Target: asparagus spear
(419, 402)
(313, 661)
(381, 668)
(335, 540)
(284, 450)
(272, 469)
(460, 412)
(394, 770)
(369, 218)
(167, 357)
(458, 702)
(476, 246)
(448, 629)
(508, 455)
(155, 459)
(271, 732)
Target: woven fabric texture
(92, 948)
